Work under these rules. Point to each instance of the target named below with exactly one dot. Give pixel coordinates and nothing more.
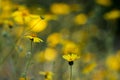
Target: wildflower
(80, 19)
(34, 22)
(34, 38)
(71, 58)
(60, 8)
(37, 24)
(114, 14)
(47, 75)
(22, 15)
(49, 17)
(50, 54)
(70, 47)
(112, 63)
(54, 39)
(6, 7)
(104, 2)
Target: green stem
(70, 72)
(28, 61)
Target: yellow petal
(66, 57)
(37, 25)
(29, 37)
(71, 57)
(37, 40)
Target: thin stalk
(70, 72)
(28, 61)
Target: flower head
(112, 15)
(48, 75)
(34, 38)
(71, 57)
(60, 8)
(22, 15)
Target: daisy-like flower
(34, 38)
(71, 57)
(48, 75)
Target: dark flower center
(71, 63)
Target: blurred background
(90, 26)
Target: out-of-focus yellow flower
(34, 22)
(71, 57)
(50, 54)
(39, 57)
(49, 17)
(37, 24)
(6, 7)
(54, 39)
(48, 75)
(104, 2)
(70, 47)
(22, 15)
(114, 14)
(89, 68)
(113, 63)
(80, 19)
(7, 3)
(34, 38)
(60, 8)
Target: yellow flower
(34, 38)
(50, 54)
(113, 63)
(48, 75)
(104, 2)
(34, 22)
(60, 8)
(80, 19)
(39, 57)
(21, 16)
(54, 39)
(114, 14)
(49, 17)
(37, 24)
(70, 47)
(71, 57)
